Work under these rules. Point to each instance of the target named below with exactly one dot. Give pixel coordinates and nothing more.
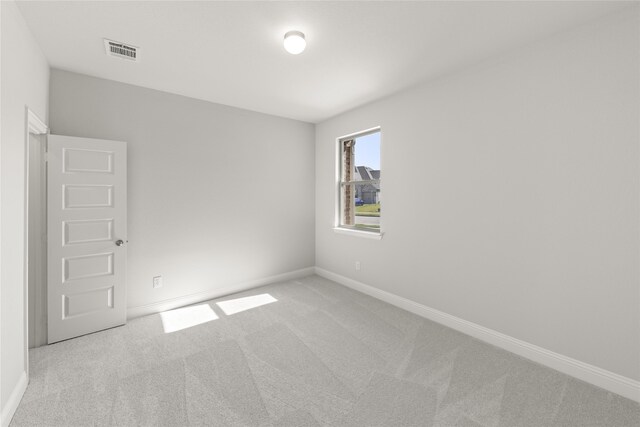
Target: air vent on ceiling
(121, 50)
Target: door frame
(34, 125)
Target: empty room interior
(320, 213)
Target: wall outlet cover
(157, 282)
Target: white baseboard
(607, 380)
(14, 400)
(170, 304)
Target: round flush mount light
(294, 42)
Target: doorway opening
(36, 274)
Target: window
(359, 182)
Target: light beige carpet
(302, 353)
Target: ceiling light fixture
(294, 42)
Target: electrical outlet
(357, 265)
(157, 282)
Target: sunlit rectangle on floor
(237, 305)
(182, 318)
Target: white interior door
(86, 234)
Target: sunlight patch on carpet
(183, 318)
(237, 305)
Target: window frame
(339, 227)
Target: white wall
(25, 82)
(217, 195)
(511, 195)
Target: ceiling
(231, 52)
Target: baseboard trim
(14, 400)
(607, 380)
(170, 304)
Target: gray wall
(25, 80)
(217, 195)
(511, 195)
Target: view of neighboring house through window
(360, 181)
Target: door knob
(119, 242)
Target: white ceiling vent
(122, 50)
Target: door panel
(86, 216)
(96, 230)
(88, 196)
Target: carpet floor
(307, 352)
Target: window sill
(359, 233)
